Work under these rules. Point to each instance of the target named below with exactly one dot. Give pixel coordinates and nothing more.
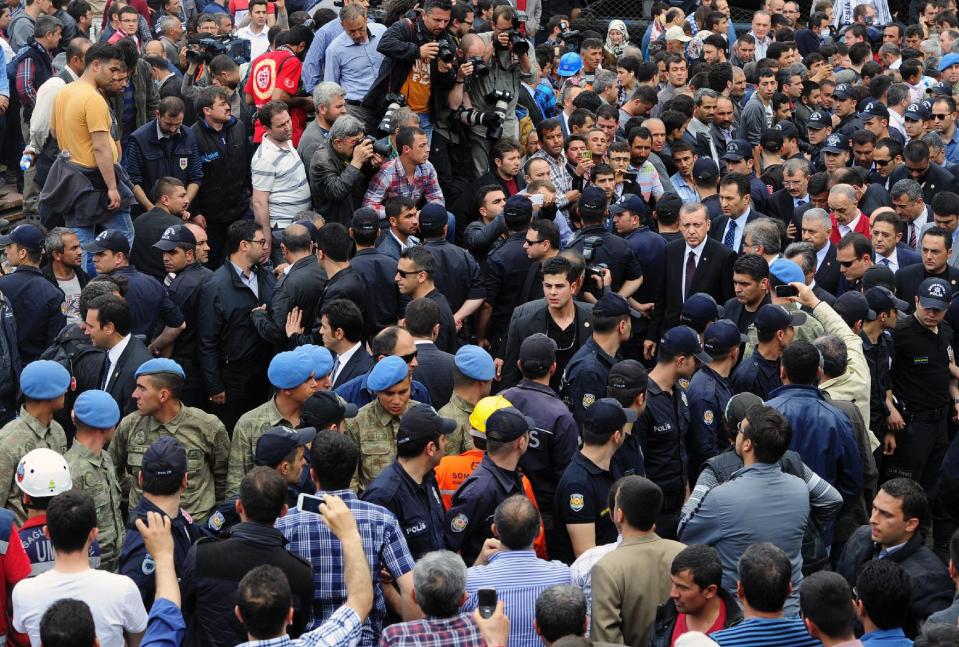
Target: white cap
(43, 473)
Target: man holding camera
(341, 169)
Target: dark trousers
(667, 522)
(246, 387)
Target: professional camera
(447, 52)
(381, 149)
(517, 42)
(472, 117)
(480, 68)
(202, 50)
(571, 39)
(593, 279)
(394, 102)
(502, 99)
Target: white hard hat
(43, 473)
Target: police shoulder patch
(148, 565)
(576, 501)
(708, 416)
(588, 400)
(459, 523)
(216, 521)
(682, 394)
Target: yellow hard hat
(483, 410)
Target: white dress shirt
(737, 235)
(342, 360)
(114, 356)
(845, 229)
(891, 261)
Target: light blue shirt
(249, 281)
(740, 228)
(315, 59)
(686, 193)
(952, 148)
(354, 65)
(890, 637)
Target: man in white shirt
(114, 600)
(762, 22)
(257, 31)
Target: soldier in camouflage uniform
(782, 272)
(292, 375)
(160, 413)
(375, 427)
(43, 384)
(96, 414)
(473, 372)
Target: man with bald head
(202, 243)
(846, 215)
(657, 132)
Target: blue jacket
(822, 435)
(147, 158)
(36, 306)
(356, 391)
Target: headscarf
(619, 26)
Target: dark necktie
(729, 240)
(106, 371)
(912, 236)
(690, 274)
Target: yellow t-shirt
(416, 88)
(78, 111)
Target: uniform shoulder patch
(216, 521)
(576, 501)
(588, 400)
(148, 566)
(708, 416)
(459, 523)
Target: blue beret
(96, 409)
(160, 365)
(320, 357)
(787, 271)
(387, 372)
(475, 363)
(44, 380)
(290, 369)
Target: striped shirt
(762, 632)
(279, 171)
(518, 577)
(582, 570)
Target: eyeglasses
(405, 274)
(619, 159)
(409, 357)
(880, 162)
(530, 243)
(261, 241)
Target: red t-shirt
(512, 187)
(278, 69)
(14, 566)
(680, 628)
(244, 6)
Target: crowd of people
(463, 324)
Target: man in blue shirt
(350, 57)
(882, 603)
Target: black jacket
(336, 185)
(36, 308)
(717, 229)
(227, 333)
(910, 277)
(47, 271)
(122, 379)
(937, 180)
(780, 206)
(185, 290)
(666, 616)
(225, 194)
(360, 363)
(147, 230)
(378, 271)
(828, 274)
(212, 572)
(435, 370)
(301, 288)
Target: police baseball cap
(175, 236)
(934, 294)
(836, 143)
(606, 416)
(941, 89)
(705, 169)
(629, 202)
(873, 109)
(879, 275)
(882, 299)
(738, 150)
(325, 408)
(819, 120)
(772, 317)
(593, 200)
(508, 424)
(26, 236)
(668, 205)
(843, 92)
(788, 129)
(683, 340)
(277, 443)
(518, 205)
(771, 140)
(165, 458)
(432, 217)
(699, 309)
(365, 219)
(721, 336)
(422, 421)
(627, 376)
(916, 112)
(537, 353)
(612, 304)
(738, 406)
(108, 240)
(852, 306)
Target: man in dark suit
(887, 245)
(108, 326)
(697, 263)
(906, 197)
(816, 229)
(341, 326)
(936, 243)
(377, 269)
(930, 176)
(782, 204)
(434, 367)
(736, 200)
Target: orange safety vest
(453, 470)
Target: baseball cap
(934, 294)
(508, 424)
(519, 205)
(916, 112)
(606, 416)
(110, 240)
(629, 202)
(421, 421)
(843, 92)
(738, 150)
(700, 308)
(365, 219)
(788, 129)
(537, 353)
(593, 199)
(683, 340)
(836, 143)
(433, 217)
(785, 271)
(873, 109)
(277, 443)
(676, 33)
(948, 61)
(669, 204)
(771, 139)
(627, 375)
(941, 89)
(165, 457)
(738, 406)
(705, 169)
(879, 275)
(28, 236)
(772, 317)
(819, 120)
(852, 307)
(881, 299)
(612, 304)
(175, 236)
(721, 336)
(325, 408)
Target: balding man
(846, 215)
(202, 243)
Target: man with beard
(63, 250)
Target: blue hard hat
(569, 64)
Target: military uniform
(96, 475)
(459, 410)
(20, 436)
(207, 450)
(374, 431)
(809, 331)
(247, 431)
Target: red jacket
(862, 226)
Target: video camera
(202, 50)
(571, 38)
(594, 271)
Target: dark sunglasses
(881, 162)
(405, 274)
(848, 263)
(408, 358)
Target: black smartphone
(786, 291)
(487, 602)
(310, 503)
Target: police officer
(407, 487)
(628, 382)
(819, 127)
(710, 390)
(584, 380)
(45, 475)
(292, 375)
(470, 517)
(582, 515)
(375, 427)
(160, 413)
(96, 415)
(43, 384)
(457, 274)
(377, 270)
(473, 373)
(326, 410)
(876, 338)
(555, 439)
(179, 249)
(663, 429)
(162, 478)
(775, 330)
(845, 103)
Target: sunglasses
(881, 162)
(409, 357)
(530, 243)
(847, 263)
(940, 117)
(405, 274)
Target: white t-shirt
(71, 300)
(114, 601)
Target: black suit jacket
(717, 228)
(937, 180)
(780, 206)
(714, 276)
(909, 278)
(827, 276)
(122, 378)
(359, 363)
(434, 368)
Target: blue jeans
(451, 228)
(426, 123)
(120, 220)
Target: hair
(102, 52)
(112, 309)
(560, 611)
(765, 573)
(945, 203)
(238, 232)
(936, 230)
(915, 504)
(207, 96)
(801, 362)
(916, 151)
(641, 501)
(267, 111)
(406, 136)
(346, 126)
(546, 230)
(938, 635)
(439, 580)
(263, 596)
(765, 232)
(517, 522)
(421, 316)
(334, 241)
(861, 246)
(753, 265)
(579, 117)
(825, 598)
(884, 589)
(385, 341)
(67, 623)
(345, 315)
(263, 493)
(71, 516)
(333, 459)
(907, 187)
(769, 431)
(702, 562)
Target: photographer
(341, 168)
(222, 71)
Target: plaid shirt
(458, 631)
(648, 180)
(383, 543)
(342, 629)
(558, 175)
(391, 182)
